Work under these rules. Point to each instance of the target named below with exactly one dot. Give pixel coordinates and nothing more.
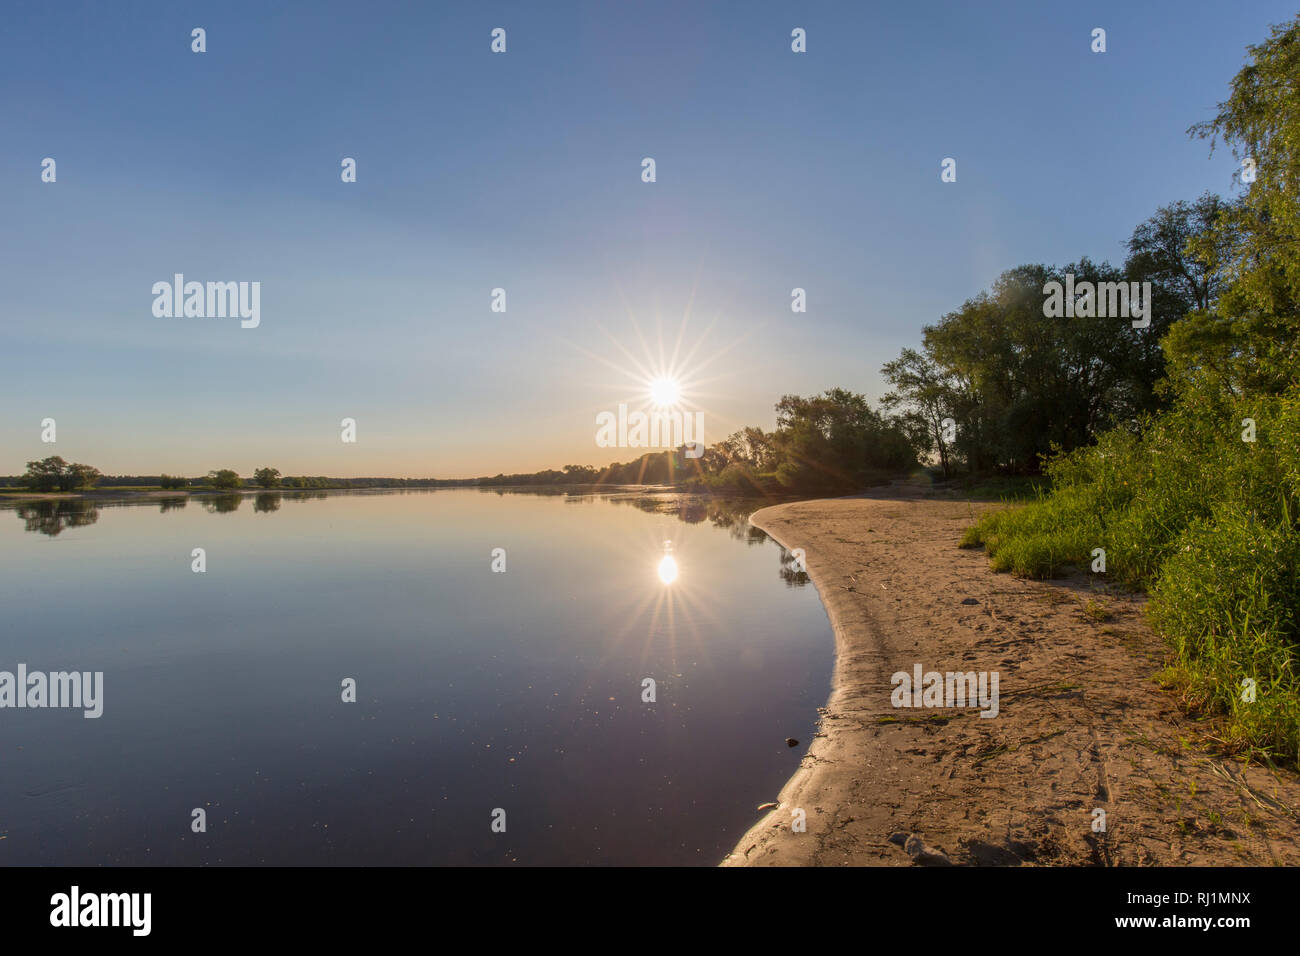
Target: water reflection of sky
(476, 690)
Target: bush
(1209, 524)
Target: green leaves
(55, 474)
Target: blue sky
(522, 171)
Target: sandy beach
(1081, 725)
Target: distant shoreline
(147, 494)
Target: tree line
(997, 386)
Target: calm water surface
(476, 691)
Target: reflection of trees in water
(729, 514)
(578, 492)
(791, 577)
(51, 517)
(222, 504)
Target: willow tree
(1247, 343)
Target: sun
(665, 377)
(665, 391)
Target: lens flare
(668, 569)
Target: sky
(522, 171)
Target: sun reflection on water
(668, 564)
(668, 569)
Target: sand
(1082, 726)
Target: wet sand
(1082, 726)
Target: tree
(750, 446)
(267, 477)
(1160, 251)
(225, 478)
(44, 475)
(928, 395)
(1247, 343)
(53, 473)
(77, 477)
(1181, 251)
(835, 442)
(1019, 382)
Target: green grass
(1209, 526)
(1010, 488)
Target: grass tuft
(1209, 525)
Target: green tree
(53, 473)
(1018, 383)
(1181, 251)
(225, 478)
(835, 441)
(44, 475)
(77, 477)
(750, 447)
(267, 477)
(1248, 343)
(927, 396)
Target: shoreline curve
(1081, 725)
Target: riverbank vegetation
(1197, 500)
